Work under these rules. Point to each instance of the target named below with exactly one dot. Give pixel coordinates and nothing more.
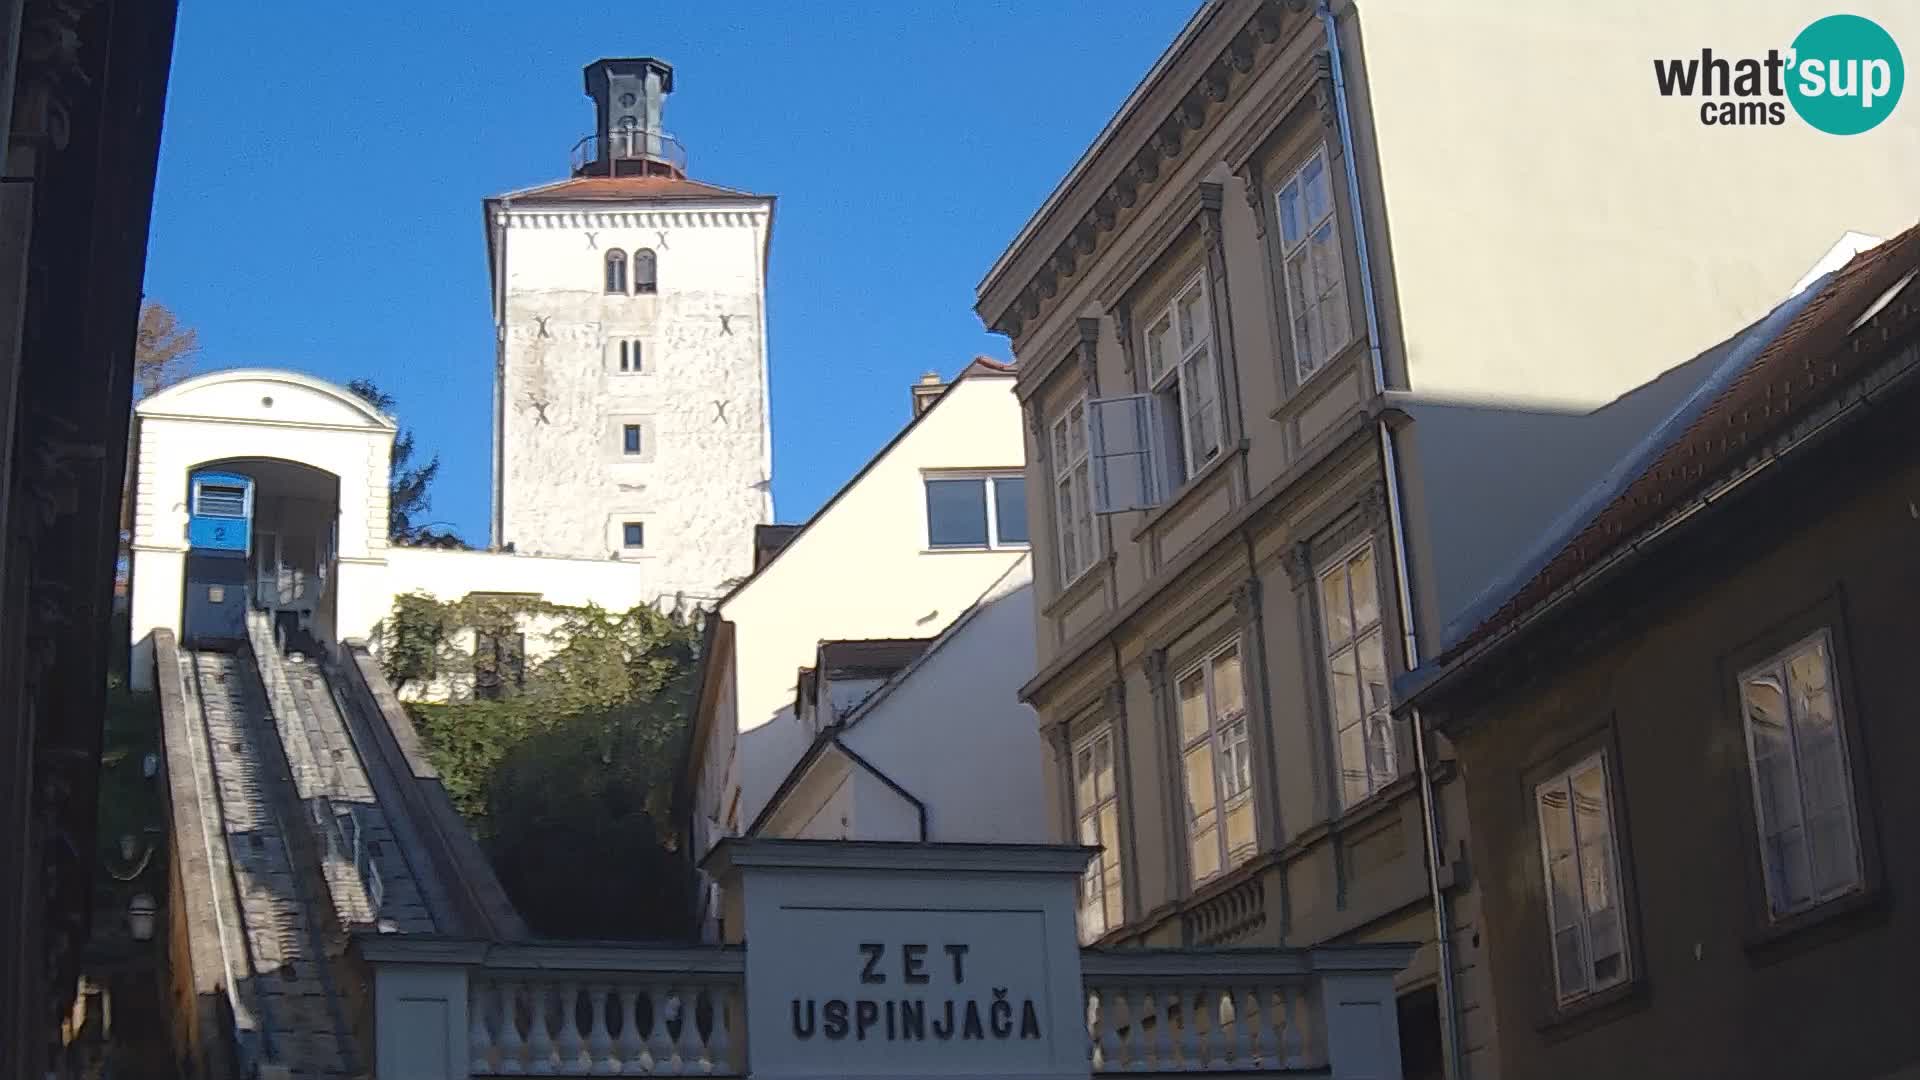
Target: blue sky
(318, 205)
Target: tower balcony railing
(628, 152)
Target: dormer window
(617, 271)
(645, 271)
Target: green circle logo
(1846, 74)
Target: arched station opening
(263, 535)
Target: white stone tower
(630, 385)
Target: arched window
(616, 271)
(645, 271)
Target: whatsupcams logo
(1842, 74)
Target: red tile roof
(594, 188)
(1798, 369)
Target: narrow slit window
(630, 439)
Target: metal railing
(633, 144)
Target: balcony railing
(578, 1009)
(631, 146)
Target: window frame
(613, 273)
(1329, 651)
(1331, 218)
(1113, 909)
(987, 478)
(1205, 664)
(1862, 882)
(649, 283)
(632, 357)
(1604, 758)
(1172, 385)
(636, 445)
(625, 542)
(1077, 469)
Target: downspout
(1389, 463)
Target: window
(1217, 763)
(221, 500)
(630, 438)
(1356, 657)
(646, 268)
(633, 534)
(499, 660)
(1096, 807)
(976, 511)
(1181, 376)
(1802, 787)
(1316, 280)
(631, 356)
(1581, 866)
(616, 271)
(1073, 508)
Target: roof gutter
(1805, 435)
(1410, 643)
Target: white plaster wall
(251, 413)
(703, 483)
(861, 569)
(953, 732)
(1562, 232)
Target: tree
(163, 350)
(573, 768)
(407, 483)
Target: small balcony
(449, 1010)
(632, 152)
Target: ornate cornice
(1123, 333)
(520, 218)
(1246, 601)
(1205, 99)
(1250, 184)
(1210, 216)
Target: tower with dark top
(629, 137)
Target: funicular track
(287, 995)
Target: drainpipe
(497, 223)
(1389, 461)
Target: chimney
(928, 388)
(629, 135)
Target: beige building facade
(1323, 327)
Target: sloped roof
(1789, 361)
(624, 189)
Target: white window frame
(1779, 905)
(1335, 338)
(624, 546)
(1179, 378)
(1580, 924)
(1222, 747)
(986, 477)
(1076, 541)
(1377, 724)
(1110, 902)
(639, 438)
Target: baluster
(1243, 1021)
(1190, 1029)
(659, 1046)
(1292, 1042)
(720, 1044)
(1137, 1037)
(479, 1042)
(1162, 1030)
(1110, 1052)
(1266, 1047)
(567, 1040)
(539, 1041)
(633, 1045)
(687, 1056)
(599, 1039)
(512, 1050)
